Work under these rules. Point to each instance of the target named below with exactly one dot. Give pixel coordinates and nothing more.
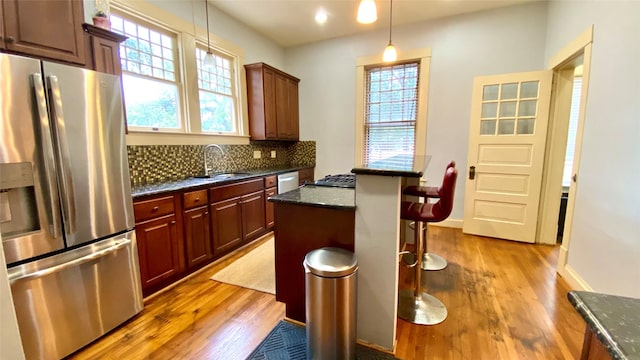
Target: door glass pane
(527, 108)
(509, 91)
(506, 126)
(489, 110)
(508, 109)
(525, 126)
(490, 92)
(487, 127)
(529, 89)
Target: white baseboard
(451, 223)
(574, 280)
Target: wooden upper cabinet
(273, 103)
(103, 49)
(44, 28)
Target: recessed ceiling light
(321, 17)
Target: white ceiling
(291, 22)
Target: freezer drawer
(64, 302)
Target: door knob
(574, 177)
(472, 172)
(9, 39)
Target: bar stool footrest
(424, 309)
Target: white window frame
(424, 55)
(177, 60)
(234, 87)
(188, 90)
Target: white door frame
(556, 148)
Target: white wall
(605, 235)
(504, 40)
(10, 344)
(257, 47)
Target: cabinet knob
(155, 208)
(196, 199)
(206, 213)
(173, 222)
(9, 39)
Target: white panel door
(509, 116)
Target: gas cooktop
(340, 180)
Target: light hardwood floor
(505, 301)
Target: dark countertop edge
(314, 204)
(596, 327)
(193, 183)
(386, 172)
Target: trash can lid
(331, 262)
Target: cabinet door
(253, 214)
(197, 236)
(158, 250)
(268, 207)
(282, 107)
(270, 104)
(106, 56)
(226, 222)
(51, 29)
(293, 117)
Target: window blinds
(391, 108)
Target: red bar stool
(430, 261)
(417, 306)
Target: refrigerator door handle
(68, 194)
(76, 262)
(52, 212)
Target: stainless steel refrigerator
(66, 213)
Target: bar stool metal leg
(417, 306)
(430, 261)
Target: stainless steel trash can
(330, 290)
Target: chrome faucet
(207, 169)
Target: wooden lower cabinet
(197, 236)
(159, 251)
(269, 217)
(253, 221)
(226, 220)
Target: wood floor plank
(505, 301)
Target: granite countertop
(320, 196)
(399, 165)
(615, 321)
(179, 185)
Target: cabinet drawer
(306, 174)
(270, 181)
(223, 192)
(148, 209)
(195, 198)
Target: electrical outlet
(273, 154)
(257, 154)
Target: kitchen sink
(221, 176)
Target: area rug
(255, 270)
(288, 341)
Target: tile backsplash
(149, 164)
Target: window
(149, 75)
(216, 94)
(167, 86)
(391, 103)
(391, 106)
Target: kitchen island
(613, 325)
(306, 219)
(377, 238)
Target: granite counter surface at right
(615, 320)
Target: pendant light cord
(390, 19)
(206, 11)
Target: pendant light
(208, 59)
(390, 54)
(367, 12)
